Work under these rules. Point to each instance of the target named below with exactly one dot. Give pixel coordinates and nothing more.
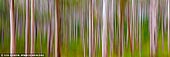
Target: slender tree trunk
(49, 29)
(57, 29)
(91, 30)
(153, 27)
(104, 33)
(32, 26)
(27, 29)
(111, 27)
(168, 28)
(82, 33)
(12, 28)
(133, 34)
(129, 28)
(49, 39)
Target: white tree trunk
(12, 28)
(91, 29)
(104, 32)
(32, 26)
(111, 27)
(153, 26)
(168, 27)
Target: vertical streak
(57, 29)
(153, 28)
(90, 30)
(27, 29)
(140, 28)
(111, 27)
(104, 33)
(168, 28)
(12, 28)
(133, 13)
(32, 26)
(129, 28)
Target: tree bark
(104, 32)
(32, 26)
(129, 29)
(153, 27)
(168, 28)
(111, 26)
(27, 29)
(91, 29)
(57, 29)
(12, 28)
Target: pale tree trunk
(168, 28)
(91, 29)
(32, 26)
(27, 29)
(133, 34)
(153, 27)
(12, 28)
(82, 34)
(104, 31)
(57, 29)
(111, 27)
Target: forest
(85, 28)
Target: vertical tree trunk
(82, 31)
(48, 39)
(49, 29)
(129, 28)
(111, 27)
(122, 7)
(32, 26)
(27, 29)
(91, 29)
(12, 28)
(153, 27)
(57, 29)
(133, 17)
(168, 28)
(104, 32)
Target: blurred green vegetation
(73, 48)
